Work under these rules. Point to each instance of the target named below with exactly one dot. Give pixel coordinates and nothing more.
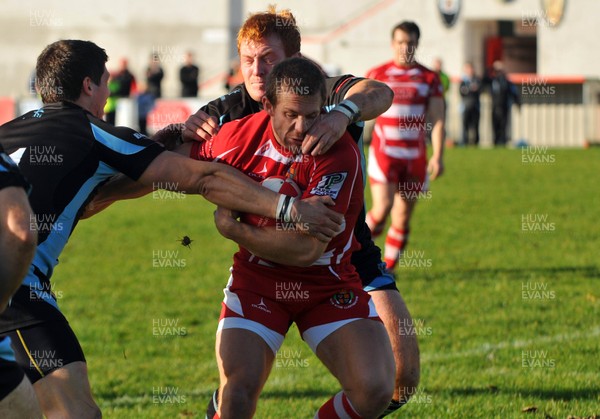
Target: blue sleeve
(124, 149)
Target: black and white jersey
(66, 154)
(9, 173)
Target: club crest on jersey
(291, 173)
(344, 299)
(330, 185)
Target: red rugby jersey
(400, 132)
(249, 145)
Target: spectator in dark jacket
(470, 90)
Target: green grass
(476, 326)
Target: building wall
(348, 37)
(136, 28)
(571, 46)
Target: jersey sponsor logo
(264, 149)
(269, 151)
(262, 306)
(344, 299)
(330, 185)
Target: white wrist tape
(284, 208)
(348, 108)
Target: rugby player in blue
(67, 152)
(17, 246)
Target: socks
(395, 242)
(211, 409)
(338, 407)
(394, 405)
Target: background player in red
(336, 317)
(398, 164)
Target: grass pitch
(501, 276)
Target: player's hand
(316, 219)
(226, 221)
(169, 136)
(324, 133)
(200, 127)
(435, 168)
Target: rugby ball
(279, 184)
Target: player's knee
(375, 395)
(76, 409)
(408, 376)
(239, 399)
(85, 409)
(376, 223)
(95, 412)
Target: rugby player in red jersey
(335, 316)
(398, 164)
(265, 39)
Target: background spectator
(188, 75)
(470, 90)
(121, 84)
(154, 76)
(504, 93)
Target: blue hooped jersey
(66, 154)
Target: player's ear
(86, 86)
(267, 105)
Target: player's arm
(117, 188)
(436, 114)
(372, 98)
(291, 247)
(287, 247)
(365, 100)
(121, 187)
(17, 240)
(206, 122)
(225, 186)
(203, 125)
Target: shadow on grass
(113, 400)
(307, 393)
(516, 273)
(564, 395)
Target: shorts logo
(330, 185)
(344, 299)
(262, 306)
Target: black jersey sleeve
(235, 105)
(9, 173)
(337, 87)
(124, 149)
